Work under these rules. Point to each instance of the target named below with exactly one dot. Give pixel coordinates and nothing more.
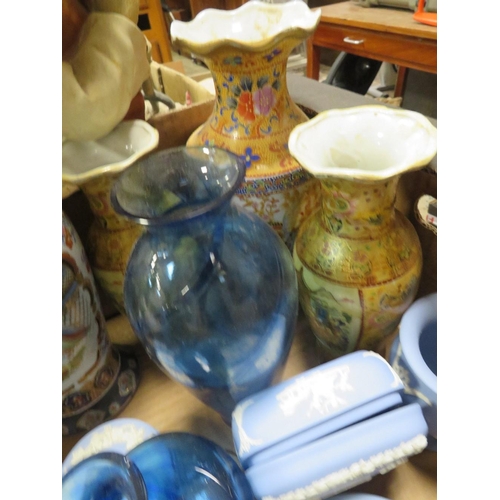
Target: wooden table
(169, 407)
(384, 34)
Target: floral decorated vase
(210, 289)
(98, 380)
(94, 166)
(247, 50)
(358, 259)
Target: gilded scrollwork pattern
(359, 263)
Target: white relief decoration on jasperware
(320, 389)
(405, 377)
(357, 473)
(246, 442)
(397, 380)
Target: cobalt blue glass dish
(170, 466)
(210, 288)
(104, 476)
(180, 465)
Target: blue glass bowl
(184, 466)
(104, 476)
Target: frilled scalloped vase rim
(125, 144)
(207, 31)
(364, 143)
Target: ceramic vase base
(114, 400)
(326, 354)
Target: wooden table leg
(313, 53)
(400, 81)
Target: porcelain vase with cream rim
(359, 259)
(247, 50)
(94, 166)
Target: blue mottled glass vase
(210, 288)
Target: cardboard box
(175, 126)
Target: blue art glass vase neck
(178, 186)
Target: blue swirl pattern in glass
(210, 288)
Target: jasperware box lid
(312, 404)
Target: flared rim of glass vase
(177, 184)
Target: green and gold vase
(357, 257)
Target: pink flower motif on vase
(263, 100)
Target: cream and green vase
(94, 166)
(359, 259)
(247, 50)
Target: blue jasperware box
(326, 430)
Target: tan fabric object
(106, 72)
(128, 8)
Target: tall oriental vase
(98, 380)
(94, 166)
(358, 258)
(247, 50)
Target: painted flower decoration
(248, 102)
(269, 57)
(245, 107)
(249, 158)
(264, 100)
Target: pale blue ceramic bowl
(414, 357)
(119, 435)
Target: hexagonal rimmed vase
(358, 259)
